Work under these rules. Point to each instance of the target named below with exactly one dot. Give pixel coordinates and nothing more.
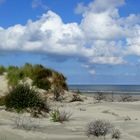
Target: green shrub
(22, 97)
(2, 70)
(42, 83)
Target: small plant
(99, 96)
(116, 134)
(22, 97)
(99, 128)
(60, 116)
(76, 97)
(126, 98)
(25, 123)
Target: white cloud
(39, 3)
(93, 72)
(2, 1)
(102, 37)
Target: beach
(124, 115)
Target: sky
(89, 41)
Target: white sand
(75, 128)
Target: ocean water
(105, 88)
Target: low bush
(22, 97)
(60, 116)
(99, 128)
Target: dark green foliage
(42, 83)
(40, 77)
(2, 101)
(2, 70)
(22, 97)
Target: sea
(106, 88)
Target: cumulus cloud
(102, 37)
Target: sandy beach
(124, 116)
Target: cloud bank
(102, 37)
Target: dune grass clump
(99, 128)
(14, 75)
(60, 116)
(23, 97)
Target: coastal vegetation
(42, 77)
(60, 116)
(23, 97)
(102, 128)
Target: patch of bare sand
(3, 85)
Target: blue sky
(90, 41)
